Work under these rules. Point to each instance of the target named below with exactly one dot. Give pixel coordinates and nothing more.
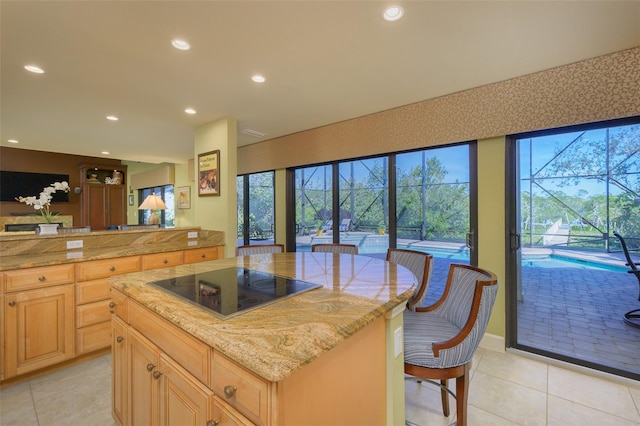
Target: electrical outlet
(398, 344)
(74, 244)
(192, 243)
(74, 255)
(192, 234)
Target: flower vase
(48, 228)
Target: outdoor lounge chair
(632, 317)
(345, 225)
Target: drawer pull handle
(119, 339)
(213, 422)
(150, 367)
(203, 255)
(12, 303)
(112, 305)
(229, 391)
(42, 278)
(112, 268)
(165, 261)
(156, 375)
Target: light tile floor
(506, 389)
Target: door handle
(470, 241)
(515, 241)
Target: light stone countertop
(275, 340)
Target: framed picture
(130, 200)
(209, 173)
(184, 197)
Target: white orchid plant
(42, 204)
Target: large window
(256, 208)
(419, 200)
(167, 216)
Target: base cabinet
(39, 328)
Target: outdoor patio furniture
(418, 262)
(440, 340)
(632, 317)
(345, 225)
(260, 249)
(335, 248)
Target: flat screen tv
(16, 184)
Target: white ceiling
(325, 61)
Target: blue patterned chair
(440, 340)
(335, 248)
(260, 249)
(421, 264)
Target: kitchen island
(324, 356)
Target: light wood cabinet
(162, 260)
(203, 254)
(120, 373)
(39, 328)
(143, 376)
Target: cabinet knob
(213, 422)
(165, 261)
(119, 339)
(112, 305)
(112, 268)
(229, 391)
(42, 278)
(12, 303)
(156, 375)
(150, 367)
(203, 255)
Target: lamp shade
(152, 202)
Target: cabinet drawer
(93, 337)
(46, 276)
(92, 291)
(161, 260)
(95, 269)
(201, 254)
(226, 415)
(189, 352)
(92, 313)
(119, 305)
(244, 391)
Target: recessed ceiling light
(112, 118)
(12, 141)
(190, 111)
(180, 44)
(34, 69)
(106, 152)
(392, 13)
(258, 78)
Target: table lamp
(153, 202)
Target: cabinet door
(184, 400)
(117, 213)
(39, 327)
(95, 206)
(143, 380)
(120, 372)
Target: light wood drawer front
(162, 260)
(189, 352)
(227, 415)
(95, 269)
(201, 254)
(92, 313)
(119, 305)
(92, 291)
(46, 276)
(92, 338)
(250, 395)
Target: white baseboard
(493, 342)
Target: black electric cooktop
(232, 291)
